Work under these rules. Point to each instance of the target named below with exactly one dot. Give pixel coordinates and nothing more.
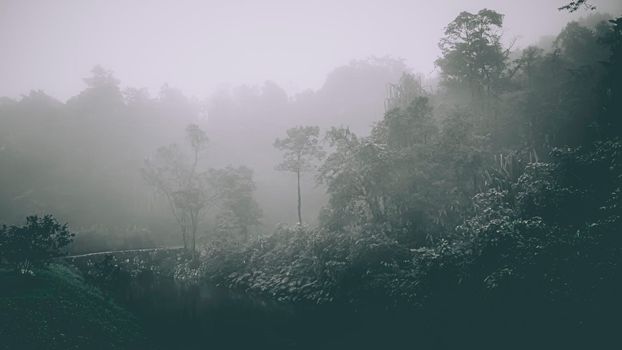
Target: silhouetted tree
(574, 5)
(34, 244)
(473, 57)
(301, 147)
(185, 187)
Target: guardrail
(142, 250)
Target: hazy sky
(200, 45)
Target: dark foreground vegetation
(484, 214)
(57, 309)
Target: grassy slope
(56, 309)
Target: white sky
(200, 45)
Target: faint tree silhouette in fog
(238, 209)
(177, 176)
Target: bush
(312, 266)
(34, 244)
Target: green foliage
(304, 265)
(545, 243)
(562, 97)
(35, 244)
(354, 175)
(490, 218)
(554, 234)
(408, 126)
(610, 89)
(122, 273)
(407, 177)
(473, 57)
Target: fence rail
(142, 250)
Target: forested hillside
(479, 207)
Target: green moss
(56, 309)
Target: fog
(200, 46)
(310, 174)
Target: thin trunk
(183, 235)
(194, 233)
(299, 200)
(191, 231)
(194, 241)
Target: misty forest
(477, 205)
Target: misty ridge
(474, 206)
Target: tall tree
(612, 83)
(472, 54)
(178, 177)
(301, 148)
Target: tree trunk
(299, 200)
(194, 239)
(183, 236)
(194, 224)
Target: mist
(201, 46)
(301, 175)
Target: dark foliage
(35, 244)
(482, 215)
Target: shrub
(35, 244)
(312, 266)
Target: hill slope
(56, 309)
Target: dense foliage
(485, 213)
(34, 244)
(500, 214)
(546, 244)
